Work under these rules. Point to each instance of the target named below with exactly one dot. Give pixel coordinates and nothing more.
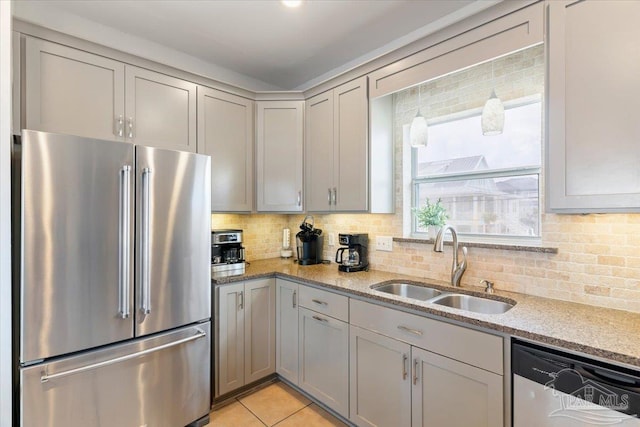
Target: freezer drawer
(162, 381)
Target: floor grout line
(291, 415)
(252, 413)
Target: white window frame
(494, 173)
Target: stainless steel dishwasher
(557, 389)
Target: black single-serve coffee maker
(356, 258)
(309, 243)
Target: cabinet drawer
(324, 302)
(466, 345)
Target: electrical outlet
(332, 239)
(384, 243)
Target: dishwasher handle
(610, 378)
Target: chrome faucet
(457, 270)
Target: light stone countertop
(597, 331)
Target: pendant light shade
(419, 133)
(493, 116)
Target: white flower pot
(432, 231)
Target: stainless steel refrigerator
(113, 282)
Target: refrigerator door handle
(46, 377)
(145, 267)
(124, 255)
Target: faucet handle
(489, 286)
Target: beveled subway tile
(234, 415)
(311, 416)
(274, 403)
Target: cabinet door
(380, 393)
(225, 132)
(160, 110)
(73, 92)
(287, 330)
(259, 329)
(319, 152)
(230, 338)
(324, 359)
(351, 152)
(449, 393)
(279, 156)
(592, 145)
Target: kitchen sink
(408, 290)
(471, 303)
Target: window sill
(498, 246)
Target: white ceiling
(259, 43)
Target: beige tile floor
(274, 405)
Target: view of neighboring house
(506, 205)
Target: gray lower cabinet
(245, 333)
(395, 382)
(324, 359)
(380, 392)
(287, 330)
(593, 89)
(446, 392)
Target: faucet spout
(457, 269)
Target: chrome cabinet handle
(404, 366)
(320, 319)
(317, 301)
(411, 331)
(335, 196)
(145, 268)
(119, 131)
(299, 202)
(241, 300)
(46, 377)
(415, 371)
(124, 250)
(130, 127)
(294, 299)
(329, 195)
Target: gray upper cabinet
(337, 149)
(71, 91)
(593, 141)
(225, 132)
(160, 110)
(279, 156)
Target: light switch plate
(332, 239)
(384, 243)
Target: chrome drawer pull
(317, 301)
(320, 319)
(411, 331)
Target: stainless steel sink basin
(474, 304)
(408, 290)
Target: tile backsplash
(598, 259)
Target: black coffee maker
(356, 258)
(309, 243)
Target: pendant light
(492, 113)
(419, 132)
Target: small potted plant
(431, 216)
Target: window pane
(458, 146)
(491, 206)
